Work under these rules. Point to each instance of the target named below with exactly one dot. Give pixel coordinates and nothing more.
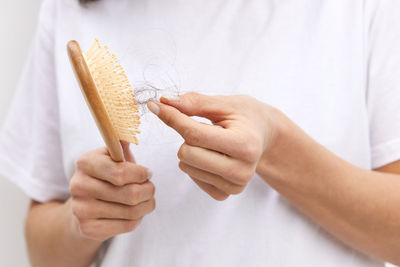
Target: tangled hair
(145, 91)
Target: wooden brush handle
(94, 101)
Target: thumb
(195, 104)
(127, 152)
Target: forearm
(360, 207)
(52, 239)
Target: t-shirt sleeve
(383, 80)
(30, 147)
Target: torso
(307, 59)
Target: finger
(195, 104)
(131, 194)
(127, 152)
(98, 209)
(210, 178)
(231, 169)
(101, 166)
(199, 134)
(211, 190)
(105, 228)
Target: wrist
(276, 133)
(294, 162)
(281, 154)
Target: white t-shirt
(332, 66)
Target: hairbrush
(108, 93)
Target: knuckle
(79, 210)
(192, 136)
(237, 190)
(143, 174)
(190, 97)
(238, 100)
(82, 162)
(241, 176)
(234, 189)
(182, 166)
(180, 155)
(244, 176)
(133, 213)
(75, 186)
(220, 196)
(133, 194)
(169, 119)
(183, 152)
(118, 174)
(85, 228)
(251, 151)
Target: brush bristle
(115, 91)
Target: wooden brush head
(108, 94)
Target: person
(285, 117)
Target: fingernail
(171, 97)
(153, 107)
(149, 174)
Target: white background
(17, 24)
